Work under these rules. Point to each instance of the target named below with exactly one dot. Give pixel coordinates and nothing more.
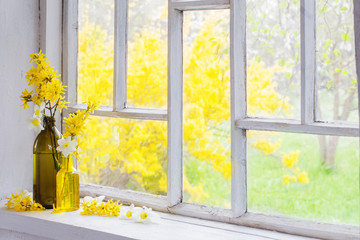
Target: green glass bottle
(67, 186)
(46, 164)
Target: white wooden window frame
(240, 122)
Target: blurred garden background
(302, 175)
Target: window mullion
(175, 107)
(308, 60)
(238, 106)
(357, 46)
(199, 4)
(70, 50)
(120, 52)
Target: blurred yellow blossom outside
(131, 154)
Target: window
(219, 109)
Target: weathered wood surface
(357, 46)
(132, 113)
(238, 106)
(120, 55)
(287, 125)
(199, 5)
(279, 223)
(175, 107)
(73, 225)
(308, 60)
(70, 49)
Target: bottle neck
(67, 163)
(49, 122)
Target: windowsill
(72, 225)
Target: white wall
(19, 36)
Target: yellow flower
(92, 103)
(67, 145)
(143, 215)
(45, 80)
(62, 105)
(38, 57)
(110, 208)
(303, 177)
(25, 105)
(129, 214)
(147, 215)
(36, 99)
(288, 178)
(290, 159)
(32, 76)
(25, 98)
(75, 123)
(266, 147)
(23, 202)
(35, 124)
(38, 110)
(54, 91)
(89, 208)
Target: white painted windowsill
(72, 225)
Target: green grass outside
(331, 196)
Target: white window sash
(240, 122)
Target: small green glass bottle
(67, 186)
(46, 164)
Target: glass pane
(126, 154)
(206, 126)
(147, 53)
(308, 176)
(273, 58)
(96, 50)
(336, 73)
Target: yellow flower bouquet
(52, 152)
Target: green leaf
(258, 59)
(276, 27)
(324, 9)
(281, 62)
(343, 8)
(328, 85)
(327, 44)
(345, 72)
(346, 37)
(336, 52)
(354, 82)
(337, 70)
(283, 4)
(288, 75)
(296, 57)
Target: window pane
(126, 154)
(273, 58)
(147, 53)
(96, 50)
(308, 176)
(336, 76)
(206, 126)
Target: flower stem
(53, 147)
